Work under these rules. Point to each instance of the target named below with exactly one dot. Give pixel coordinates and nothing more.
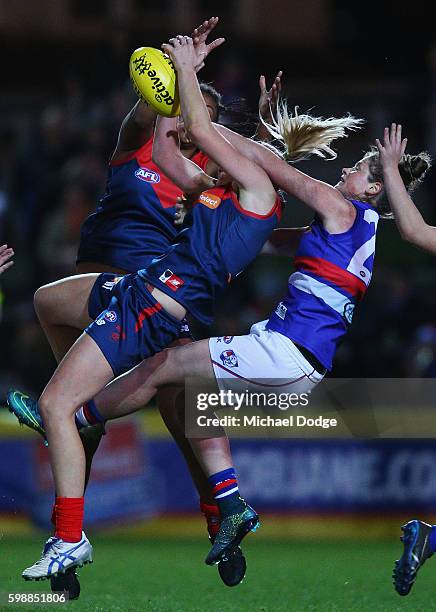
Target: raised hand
(393, 147)
(199, 37)
(5, 255)
(181, 51)
(268, 98)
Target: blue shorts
(129, 324)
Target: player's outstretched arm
(409, 220)
(252, 180)
(166, 154)
(5, 258)
(135, 130)
(321, 197)
(137, 126)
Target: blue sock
(432, 539)
(226, 492)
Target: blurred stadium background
(65, 91)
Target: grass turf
(169, 575)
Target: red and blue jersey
(220, 240)
(332, 274)
(134, 220)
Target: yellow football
(155, 80)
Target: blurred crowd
(54, 149)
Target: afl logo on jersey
(210, 200)
(149, 176)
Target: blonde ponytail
(303, 135)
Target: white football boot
(58, 556)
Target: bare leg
(62, 309)
(171, 402)
(136, 388)
(213, 454)
(70, 386)
(92, 436)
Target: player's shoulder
(142, 155)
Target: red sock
(53, 515)
(89, 416)
(69, 518)
(212, 516)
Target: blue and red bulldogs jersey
(332, 274)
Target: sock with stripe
(226, 492)
(213, 519)
(88, 415)
(69, 518)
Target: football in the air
(155, 80)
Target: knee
(43, 301)
(45, 406)
(161, 365)
(52, 407)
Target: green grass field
(169, 575)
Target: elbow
(410, 234)
(202, 182)
(160, 153)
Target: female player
(133, 224)
(5, 258)
(139, 315)
(419, 538)
(334, 264)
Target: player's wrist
(390, 167)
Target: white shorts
(263, 359)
